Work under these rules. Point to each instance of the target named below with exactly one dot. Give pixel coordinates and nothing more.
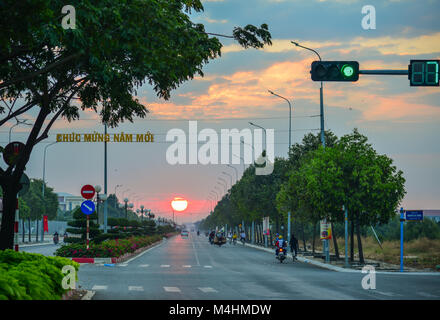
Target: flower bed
(107, 249)
(30, 276)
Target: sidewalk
(333, 267)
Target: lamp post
(126, 204)
(290, 116)
(321, 100)
(98, 190)
(142, 212)
(18, 123)
(256, 125)
(43, 187)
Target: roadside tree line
(314, 183)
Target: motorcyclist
(281, 243)
(65, 236)
(234, 238)
(198, 232)
(211, 236)
(230, 236)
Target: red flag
(45, 226)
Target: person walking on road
(243, 236)
(293, 246)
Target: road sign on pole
(414, 215)
(87, 207)
(88, 191)
(12, 151)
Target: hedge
(30, 276)
(107, 249)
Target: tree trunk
(36, 233)
(29, 225)
(8, 218)
(314, 237)
(335, 242)
(359, 240)
(304, 238)
(352, 240)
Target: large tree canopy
(116, 47)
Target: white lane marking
(122, 265)
(428, 295)
(144, 265)
(164, 265)
(389, 294)
(207, 290)
(186, 266)
(96, 287)
(171, 289)
(135, 288)
(195, 252)
(140, 255)
(208, 266)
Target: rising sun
(179, 204)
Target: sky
(400, 121)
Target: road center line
(195, 251)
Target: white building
(68, 202)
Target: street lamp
(290, 116)
(321, 99)
(18, 123)
(44, 182)
(256, 125)
(126, 204)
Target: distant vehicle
(184, 233)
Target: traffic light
(335, 71)
(423, 73)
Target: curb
(115, 259)
(89, 295)
(34, 244)
(339, 269)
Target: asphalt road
(45, 249)
(191, 268)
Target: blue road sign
(414, 215)
(87, 207)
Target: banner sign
(266, 226)
(45, 224)
(326, 230)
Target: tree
(116, 47)
(79, 226)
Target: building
(68, 202)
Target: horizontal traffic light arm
(384, 72)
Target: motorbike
(55, 239)
(219, 241)
(282, 254)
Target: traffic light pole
(385, 72)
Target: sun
(179, 204)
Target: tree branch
(36, 73)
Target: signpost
(414, 215)
(12, 152)
(409, 215)
(87, 207)
(88, 191)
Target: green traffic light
(347, 70)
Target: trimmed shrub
(28, 276)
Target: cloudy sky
(399, 120)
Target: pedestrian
(293, 245)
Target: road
(45, 249)
(191, 268)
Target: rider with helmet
(280, 243)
